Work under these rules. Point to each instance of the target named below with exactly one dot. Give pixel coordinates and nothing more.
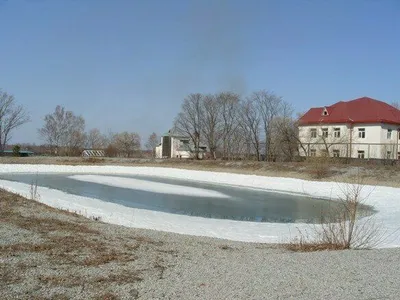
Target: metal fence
(390, 151)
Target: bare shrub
(319, 167)
(345, 227)
(34, 194)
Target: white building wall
(372, 144)
(159, 151)
(318, 143)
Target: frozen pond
(185, 197)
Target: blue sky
(128, 64)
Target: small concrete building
(177, 146)
(22, 153)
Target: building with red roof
(363, 128)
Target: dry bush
(319, 167)
(345, 227)
(93, 160)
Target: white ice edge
(149, 186)
(386, 201)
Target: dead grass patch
(127, 277)
(46, 225)
(107, 296)
(304, 246)
(147, 240)
(66, 281)
(344, 227)
(53, 297)
(25, 247)
(102, 258)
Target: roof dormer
(325, 112)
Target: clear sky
(128, 64)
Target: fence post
(369, 156)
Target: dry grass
(375, 174)
(107, 296)
(69, 253)
(344, 227)
(46, 225)
(65, 281)
(144, 239)
(102, 258)
(124, 277)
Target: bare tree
(285, 134)
(396, 104)
(96, 140)
(230, 107)
(269, 106)
(188, 121)
(251, 123)
(152, 142)
(127, 143)
(12, 116)
(210, 123)
(64, 131)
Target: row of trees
(65, 133)
(260, 126)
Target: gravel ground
(50, 254)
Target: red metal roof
(361, 110)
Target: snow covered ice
(385, 200)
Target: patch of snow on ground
(149, 186)
(386, 201)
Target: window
(313, 152)
(388, 155)
(398, 155)
(361, 133)
(336, 132)
(389, 134)
(336, 153)
(325, 132)
(313, 133)
(361, 154)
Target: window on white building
(388, 155)
(313, 152)
(313, 133)
(336, 132)
(336, 153)
(325, 132)
(361, 133)
(398, 155)
(389, 134)
(361, 154)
